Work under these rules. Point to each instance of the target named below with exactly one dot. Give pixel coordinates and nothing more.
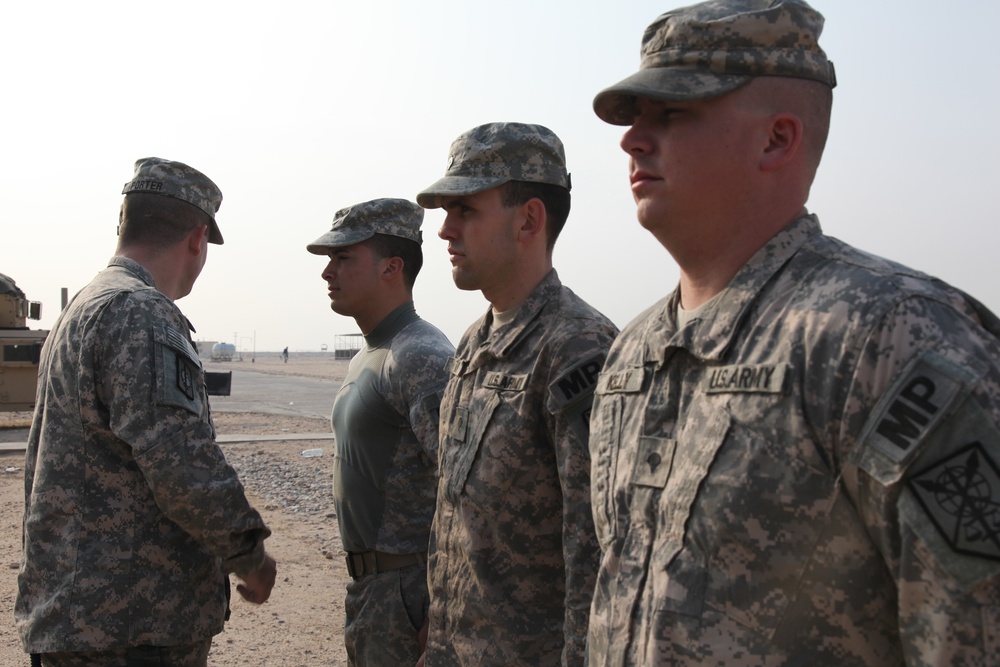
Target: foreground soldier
(513, 554)
(132, 516)
(385, 419)
(795, 453)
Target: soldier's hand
(257, 585)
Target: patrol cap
(177, 180)
(712, 48)
(354, 224)
(490, 155)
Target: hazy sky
(297, 109)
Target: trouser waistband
(361, 564)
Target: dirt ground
(302, 623)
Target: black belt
(361, 564)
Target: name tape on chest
(746, 378)
(621, 382)
(504, 382)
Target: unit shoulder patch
(961, 495)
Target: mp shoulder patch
(912, 407)
(576, 383)
(961, 495)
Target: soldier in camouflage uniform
(385, 419)
(513, 555)
(133, 518)
(795, 454)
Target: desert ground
(302, 622)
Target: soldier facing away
(795, 454)
(512, 553)
(385, 420)
(133, 519)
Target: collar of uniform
(391, 325)
(660, 330)
(132, 266)
(709, 336)
(483, 346)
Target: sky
(300, 108)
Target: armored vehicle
(20, 347)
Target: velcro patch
(185, 377)
(655, 459)
(621, 382)
(504, 382)
(745, 378)
(180, 342)
(460, 425)
(576, 383)
(961, 495)
(912, 407)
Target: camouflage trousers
(384, 614)
(184, 655)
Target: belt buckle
(352, 568)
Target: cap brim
(457, 186)
(337, 239)
(616, 104)
(215, 236)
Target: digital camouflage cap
(354, 224)
(490, 155)
(177, 180)
(714, 47)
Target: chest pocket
(465, 435)
(180, 378)
(756, 514)
(617, 396)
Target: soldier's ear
(784, 141)
(195, 238)
(532, 220)
(393, 266)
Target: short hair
(812, 101)
(818, 106)
(386, 245)
(157, 220)
(556, 199)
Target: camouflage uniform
(385, 419)
(513, 554)
(806, 473)
(132, 515)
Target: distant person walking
(513, 551)
(132, 516)
(284, 355)
(385, 420)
